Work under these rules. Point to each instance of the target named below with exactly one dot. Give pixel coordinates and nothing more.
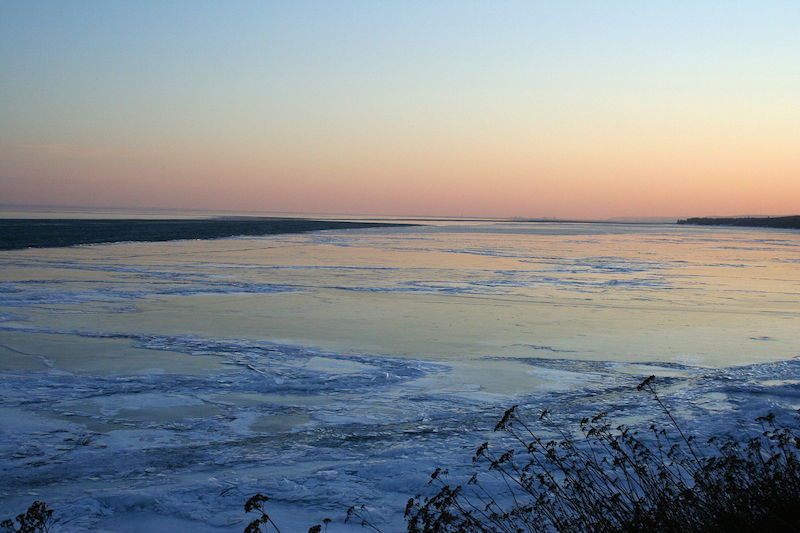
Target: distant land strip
(19, 233)
(790, 222)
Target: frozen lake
(158, 385)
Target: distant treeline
(791, 222)
(20, 233)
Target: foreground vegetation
(619, 480)
(35, 520)
(611, 479)
(600, 479)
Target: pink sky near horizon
(617, 176)
(521, 109)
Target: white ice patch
(563, 379)
(336, 366)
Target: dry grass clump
(35, 520)
(618, 480)
(613, 479)
(263, 523)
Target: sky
(567, 109)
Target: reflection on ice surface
(163, 383)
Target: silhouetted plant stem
(648, 384)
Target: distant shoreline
(21, 233)
(789, 222)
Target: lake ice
(158, 385)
